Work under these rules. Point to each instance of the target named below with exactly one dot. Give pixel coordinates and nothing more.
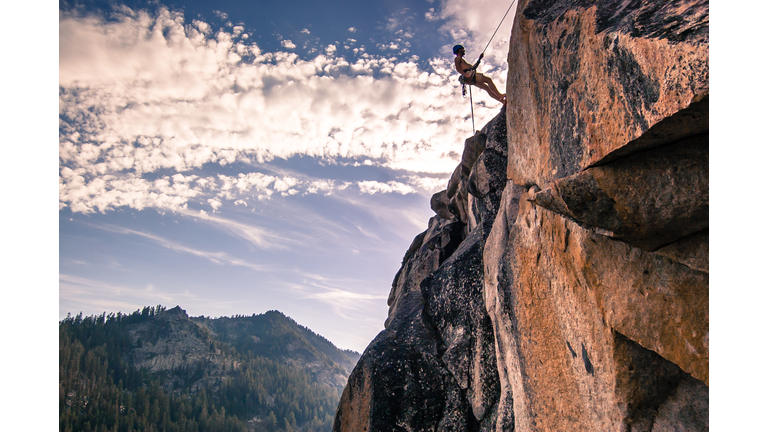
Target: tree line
(100, 390)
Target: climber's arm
(478, 61)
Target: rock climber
(471, 76)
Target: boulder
(440, 204)
(485, 184)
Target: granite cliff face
(563, 282)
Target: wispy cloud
(372, 187)
(97, 296)
(347, 299)
(430, 15)
(258, 237)
(90, 193)
(220, 258)
(81, 294)
(335, 293)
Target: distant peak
(177, 311)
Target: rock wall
(563, 282)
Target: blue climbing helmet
(456, 49)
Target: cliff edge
(563, 282)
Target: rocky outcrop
(434, 366)
(170, 341)
(563, 282)
(647, 199)
(197, 352)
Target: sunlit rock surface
(563, 282)
(588, 78)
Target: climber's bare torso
(475, 78)
(462, 66)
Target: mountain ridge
(258, 373)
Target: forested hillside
(160, 370)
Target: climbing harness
(463, 80)
(464, 83)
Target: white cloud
(429, 184)
(109, 192)
(305, 31)
(215, 204)
(351, 29)
(430, 15)
(372, 187)
(174, 193)
(286, 43)
(472, 23)
(393, 23)
(320, 186)
(259, 237)
(145, 93)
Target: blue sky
(235, 157)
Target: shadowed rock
(454, 299)
(648, 199)
(433, 367)
(692, 251)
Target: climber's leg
(486, 84)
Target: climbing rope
(499, 26)
(472, 109)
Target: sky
(235, 157)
